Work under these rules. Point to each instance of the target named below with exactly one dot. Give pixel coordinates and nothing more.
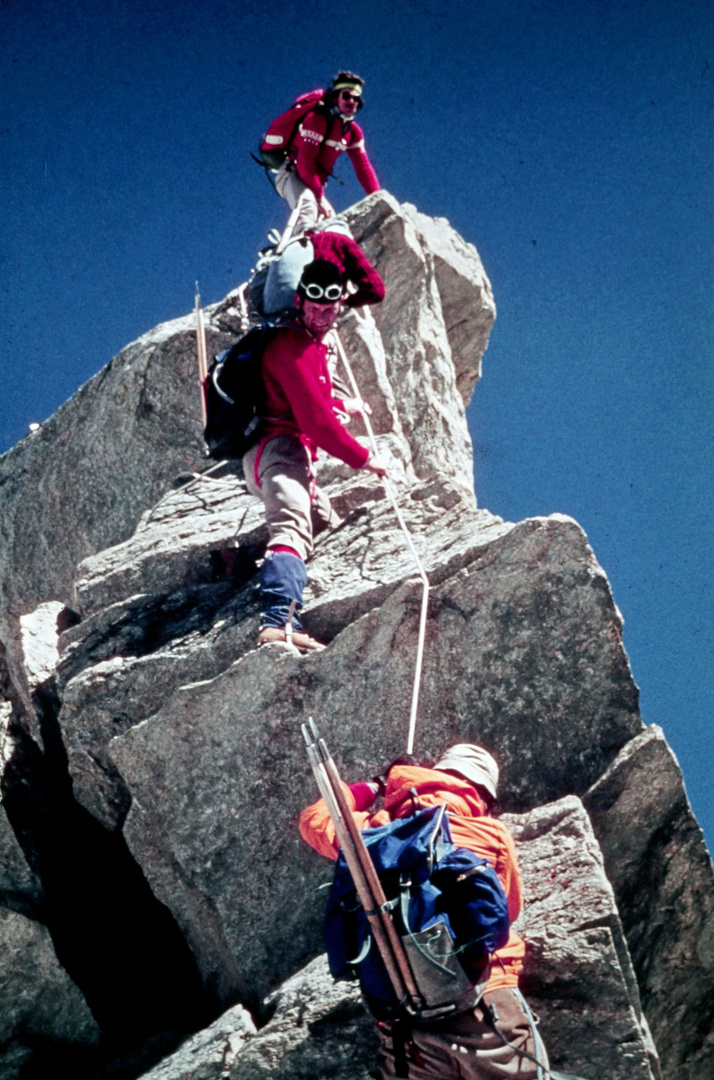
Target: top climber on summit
(327, 129)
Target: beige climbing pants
(296, 193)
(466, 1048)
(279, 472)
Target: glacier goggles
(328, 294)
(348, 98)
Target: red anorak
(319, 141)
(299, 399)
(470, 828)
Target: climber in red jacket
(298, 418)
(463, 1046)
(326, 132)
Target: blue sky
(570, 141)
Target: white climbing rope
(244, 316)
(289, 228)
(422, 574)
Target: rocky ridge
(152, 759)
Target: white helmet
(473, 763)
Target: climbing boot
(269, 635)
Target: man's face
(347, 102)
(318, 318)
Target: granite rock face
(578, 977)
(578, 974)
(81, 482)
(39, 1003)
(202, 758)
(544, 649)
(318, 1028)
(661, 873)
(211, 1054)
(20, 888)
(150, 746)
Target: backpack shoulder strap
(318, 107)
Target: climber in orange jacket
(464, 1047)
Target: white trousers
(297, 194)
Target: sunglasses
(329, 292)
(347, 96)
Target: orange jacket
(470, 828)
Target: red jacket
(470, 828)
(319, 141)
(348, 255)
(299, 399)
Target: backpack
(234, 395)
(274, 282)
(278, 139)
(276, 275)
(448, 906)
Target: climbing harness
(422, 574)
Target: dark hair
(404, 759)
(320, 272)
(347, 76)
(332, 94)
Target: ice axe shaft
(201, 351)
(368, 886)
(361, 885)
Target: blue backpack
(449, 909)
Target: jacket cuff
(364, 795)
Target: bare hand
(376, 465)
(354, 406)
(324, 209)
